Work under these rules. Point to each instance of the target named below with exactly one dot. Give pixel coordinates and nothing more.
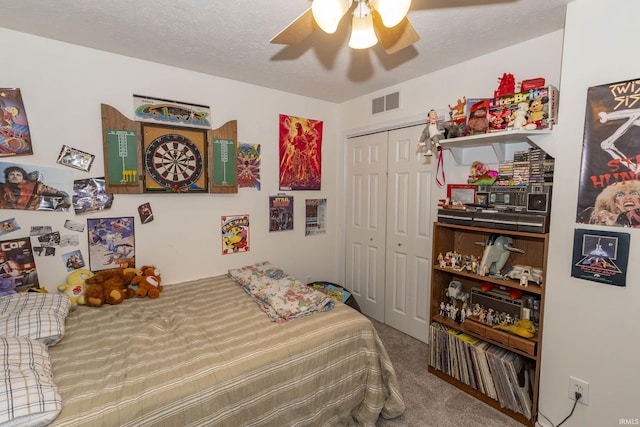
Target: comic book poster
(280, 212)
(111, 243)
(249, 165)
(315, 216)
(300, 148)
(15, 139)
(17, 266)
(30, 187)
(235, 234)
(600, 256)
(609, 191)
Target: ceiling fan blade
(298, 30)
(397, 38)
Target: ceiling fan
(373, 20)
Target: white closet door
(366, 186)
(411, 209)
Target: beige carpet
(431, 401)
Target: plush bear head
(148, 282)
(108, 286)
(75, 286)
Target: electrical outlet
(579, 386)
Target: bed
(204, 353)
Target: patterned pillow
(34, 315)
(28, 395)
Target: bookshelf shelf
(457, 349)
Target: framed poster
(174, 159)
(15, 138)
(315, 217)
(111, 243)
(609, 191)
(165, 111)
(600, 256)
(300, 148)
(17, 268)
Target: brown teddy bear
(148, 282)
(109, 286)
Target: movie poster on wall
(17, 266)
(600, 256)
(280, 212)
(300, 149)
(609, 193)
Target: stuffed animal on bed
(109, 287)
(148, 282)
(75, 286)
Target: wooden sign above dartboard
(144, 157)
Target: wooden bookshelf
(465, 240)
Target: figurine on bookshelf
(430, 138)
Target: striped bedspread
(204, 354)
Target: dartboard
(173, 160)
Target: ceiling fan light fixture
(363, 35)
(391, 11)
(328, 13)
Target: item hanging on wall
(174, 159)
(280, 212)
(315, 217)
(609, 193)
(235, 234)
(600, 256)
(171, 156)
(122, 157)
(146, 215)
(300, 153)
(8, 226)
(15, 137)
(75, 158)
(73, 260)
(111, 243)
(249, 165)
(223, 162)
(17, 265)
(42, 188)
(172, 113)
(89, 195)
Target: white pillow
(28, 395)
(34, 315)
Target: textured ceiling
(230, 38)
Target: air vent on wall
(385, 103)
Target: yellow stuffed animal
(75, 286)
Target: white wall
(63, 86)
(590, 329)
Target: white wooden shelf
(496, 140)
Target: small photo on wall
(75, 158)
(73, 260)
(600, 256)
(111, 243)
